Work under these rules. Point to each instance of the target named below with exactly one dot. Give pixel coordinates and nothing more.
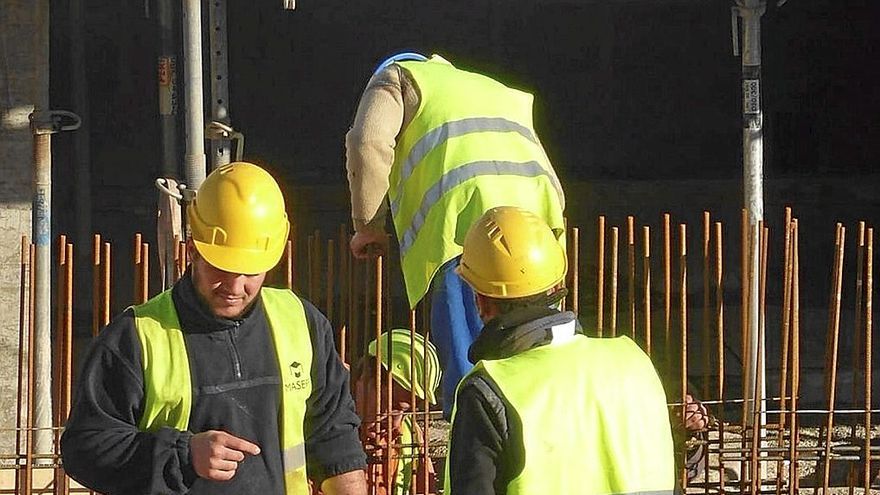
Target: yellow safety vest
(594, 418)
(469, 147)
(168, 383)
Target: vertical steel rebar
(105, 288)
(144, 293)
(646, 277)
(96, 283)
(31, 375)
(857, 344)
(67, 358)
(869, 322)
(426, 314)
(600, 277)
(683, 315)
(834, 328)
(707, 318)
(58, 361)
(719, 325)
(747, 329)
(760, 407)
(786, 336)
(786, 318)
(22, 391)
(615, 237)
(793, 423)
(137, 256)
(667, 289)
(631, 274)
(575, 268)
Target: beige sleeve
(369, 147)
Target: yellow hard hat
(410, 375)
(238, 221)
(509, 253)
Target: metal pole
(167, 78)
(750, 12)
(220, 144)
(194, 159)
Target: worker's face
(227, 295)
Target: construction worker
(415, 374)
(218, 385)
(547, 409)
(444, 145)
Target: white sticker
(751, 96)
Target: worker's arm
(480, 461)
(369, 149)
(102, 447)
(350, 483)
(333, 447)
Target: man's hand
(375, 433)
(696, 417)
(216, 454)
(368, 243)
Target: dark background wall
(637, 101)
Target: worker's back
(591, 417)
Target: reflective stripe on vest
(469, 147)
(594, 429)
(168, 382)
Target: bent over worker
(218, 385)
(444, 145)
(547, 409)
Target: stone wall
(24, 76)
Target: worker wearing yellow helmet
(414, 368)
(219, 384)
(547, 409)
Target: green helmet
(411, 377)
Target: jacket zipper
(236, 358)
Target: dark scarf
(518, 331)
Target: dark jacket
(236, 383)
(494, 455)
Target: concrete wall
(24, 78)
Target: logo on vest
(295, 380)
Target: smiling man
(219, 385)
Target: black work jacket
(236, 388)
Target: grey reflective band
(458, 176)
(294, 457)
(457, 128)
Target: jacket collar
(521, 330)
(195, 317)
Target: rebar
(834, 335)
(706, 312)
(682, 265)
(869, 321)
(667, 288)
(574, 269)
(22, 391)
(615, 237)
(600, 276)
(646, 278)
(631, 274)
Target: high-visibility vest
(469, 147)
(168, 383)
(594, 418)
